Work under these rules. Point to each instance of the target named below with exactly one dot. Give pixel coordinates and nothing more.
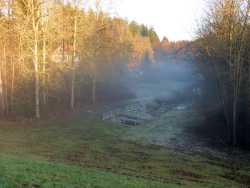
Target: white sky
(175, 19)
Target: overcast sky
(175, 19)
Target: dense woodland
(56, 53)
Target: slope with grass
(87, 152)
(16, 172)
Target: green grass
(85, 152)
(25, 173)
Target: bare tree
(224, 35)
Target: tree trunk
(5, 83)
(1, 90)
(36, 70)
(234, 136)
(94, 90)
(72, 98)
(12, 85)
(44, 71)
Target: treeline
(224, 44)
(56, 55)
(174, 51)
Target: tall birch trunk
(5, 82)
(44, 94)
(36, 61)
(72, 97)
(37, 84)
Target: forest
(53, 53)
(91, 99)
